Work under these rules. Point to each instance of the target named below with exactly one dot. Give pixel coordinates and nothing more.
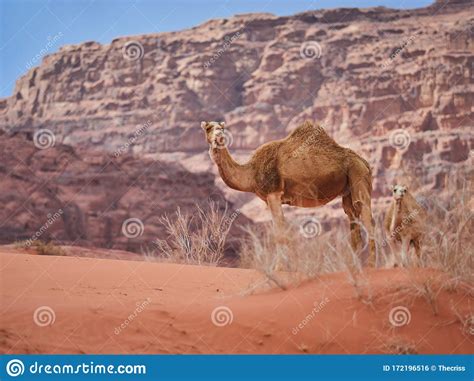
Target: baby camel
(306, 169)
(404, 223)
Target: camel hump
(311, 131)
(308, 127)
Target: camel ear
(203, 125)
(222, 124)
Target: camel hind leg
(360, 184)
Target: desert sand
(122, 306)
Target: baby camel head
(399, 191)
(215, 134)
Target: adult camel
(305, 169)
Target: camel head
(215, 134)
(399, 191)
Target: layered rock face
(394, 85)
(88, 198)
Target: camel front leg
(404, 251)
(393, 259)
(279, 224)
(417, 244)
(274, 203)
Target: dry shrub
(447, 244)
(398, 345)
(42, 248)
(198, 238)
(299, 256)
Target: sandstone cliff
(395, 85)
(88, 198)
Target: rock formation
(394, 85)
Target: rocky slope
(87, 198)
(395, 85)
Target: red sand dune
(170, 308)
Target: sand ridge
(120, 306)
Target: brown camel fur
(405, 223)
(306, 169)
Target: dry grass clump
(42, 248)
(198, 238)
(398, 346)
(300, 256)
(447, 245)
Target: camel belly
(304, 202)
(309, 194)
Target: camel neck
(236, 176)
